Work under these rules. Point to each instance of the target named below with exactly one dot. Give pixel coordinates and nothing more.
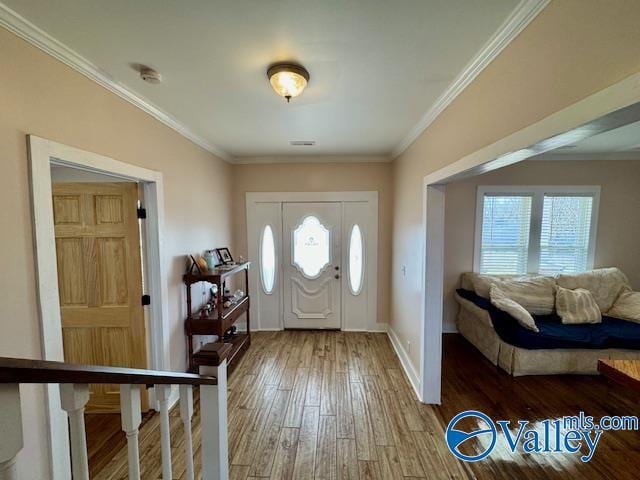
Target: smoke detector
(150, 75)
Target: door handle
(337, 267)
(337, 276)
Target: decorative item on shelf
(225, 256)
(212, 258)
(214, 293)
(202, 263)
(206, 310)
(230, 333)
(194, 267)
(237, 296)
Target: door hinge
(142, 213)
(146, 300)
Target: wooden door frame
(370, 197)
(594, 114)
(42, 154)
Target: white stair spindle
(11, 428)
(186, 412)
(213, 415)
(163, 392)
(74, 397)
(131, 416)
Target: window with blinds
(543, 230)
(506, 224)
(565, 234)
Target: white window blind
(565, 234)
(506, 224)
(535, 229)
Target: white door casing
(358, 309)
(42, 154)
(312, 265)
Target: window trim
(537, 193)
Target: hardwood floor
(335, 405)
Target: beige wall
(41, 96)
(571, 50)
(618, 218)
(316, 177)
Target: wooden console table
(220, 319)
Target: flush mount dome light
(288, 79)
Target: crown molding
(26, 30)
(523, 14)
(308, 159)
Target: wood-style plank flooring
(336, 405)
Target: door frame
(370, 197)
(611, 107)
(42, 154)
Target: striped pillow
(577, 306)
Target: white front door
(312, 267)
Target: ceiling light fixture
(288, 79)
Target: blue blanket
(611, 333)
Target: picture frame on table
(225, 256)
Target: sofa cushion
(611, 333)
(535, 293)
(604, 283)
(481, 284)
(513, 308)
(577, 306)
(627, 306)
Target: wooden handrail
(22, 370)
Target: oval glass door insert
(311, 247)
(356, 260)
(268, 260)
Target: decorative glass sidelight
(311, 244)
(268, 259)
(356, 260)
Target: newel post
(213, 414)
(11, 428)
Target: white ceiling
(376, 66)
(621, 143)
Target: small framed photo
(225, 255)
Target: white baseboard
(411, 373)
(365, 330)
(381, 328)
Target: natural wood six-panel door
(100, 280)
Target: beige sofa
(474, 323)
